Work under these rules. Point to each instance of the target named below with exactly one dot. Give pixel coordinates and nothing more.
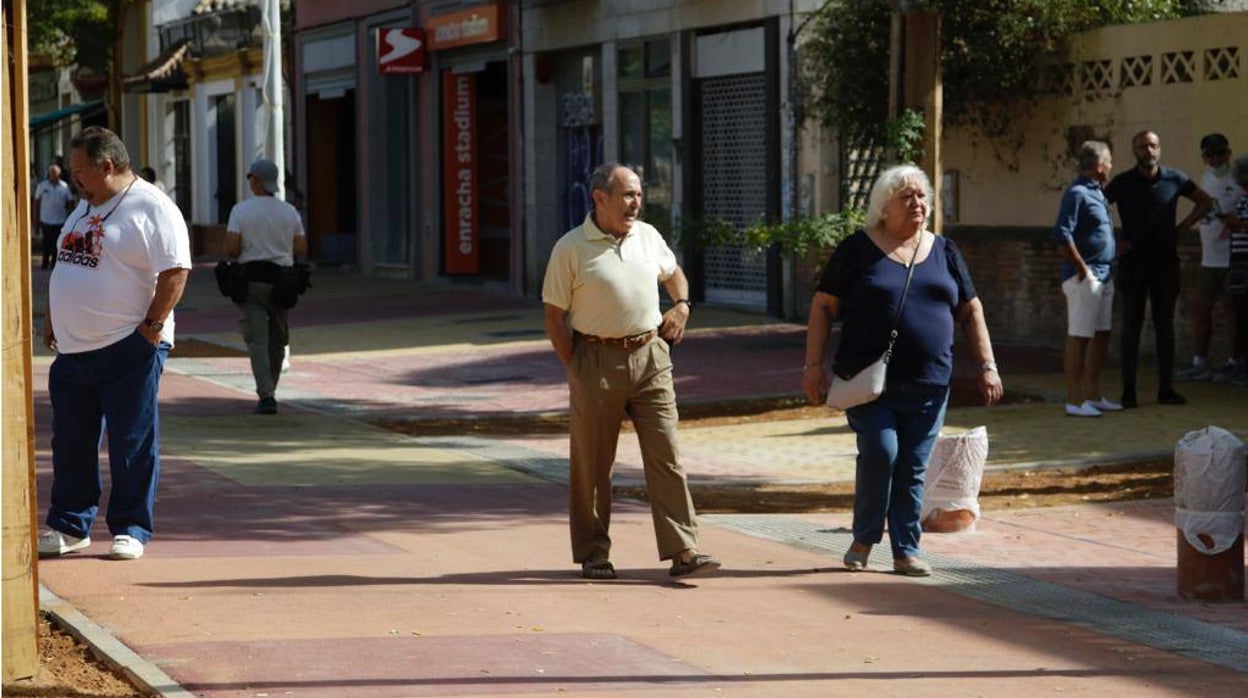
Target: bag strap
(892, 336)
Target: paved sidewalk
(315, 554)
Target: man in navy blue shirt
(1084, 234)
(1147, 197)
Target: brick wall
(1016, 273)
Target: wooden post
(20, 587)
(921, 90)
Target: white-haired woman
(862, 285)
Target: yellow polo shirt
(609, 288)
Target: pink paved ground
(457, 589)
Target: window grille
(1222, 63)
(1178, 66)
(1136, 71)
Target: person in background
(265, 234)
(862, 285)
(602, 317)
(122, 264)
(1215, 259)
(53, 202)
(1147, 197)
(1084, 234)
(1237, 278)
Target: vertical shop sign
(459, 173)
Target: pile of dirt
(67, 669)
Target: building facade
(473, 165)
(693, 95)
(411, 163)
(195, 106)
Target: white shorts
(1089, 306)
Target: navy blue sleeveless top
(868, 285)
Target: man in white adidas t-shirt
(122, 261)
(266, 234)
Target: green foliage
(794, 237)
(991, 51)
(905, 135)
(71, 31)
(844, 68)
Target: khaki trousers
(606, 384)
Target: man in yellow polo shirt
(602, 316)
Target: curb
(109, 649)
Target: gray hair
(893, 180)
(1091, 154)
(1240, 170)
(100, 144)
(600, 180)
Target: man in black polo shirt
(1147, 197)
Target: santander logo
(399, 45)
(401, 50)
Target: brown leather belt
(626, 343)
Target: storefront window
(646, 124)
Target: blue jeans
(895, 438)
(113, 388)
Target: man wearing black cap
(1215, 259)
(264, 233)
(1147, 197)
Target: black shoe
(267, 405)
(1128, 401)
(697, 564)
(1171, 398)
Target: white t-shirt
(107, 261)
(609, 288)
(268, 227)
(54, 201)
(1215, 237)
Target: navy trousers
(113, 388)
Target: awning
(162, 74)
(49, 119)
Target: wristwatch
(678, 301)
(156, 325)
(989, 367)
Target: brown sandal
(598, 570)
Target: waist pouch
(289, 283)
(231, 280)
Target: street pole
(923, 92)
(273, 95)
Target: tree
(991, 53)
(69, 32)
(85, 33)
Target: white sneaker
(1194, 373)
(1104, 405)
(53, 543)
(286, 360)
(125, 548)
(1084, 410)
